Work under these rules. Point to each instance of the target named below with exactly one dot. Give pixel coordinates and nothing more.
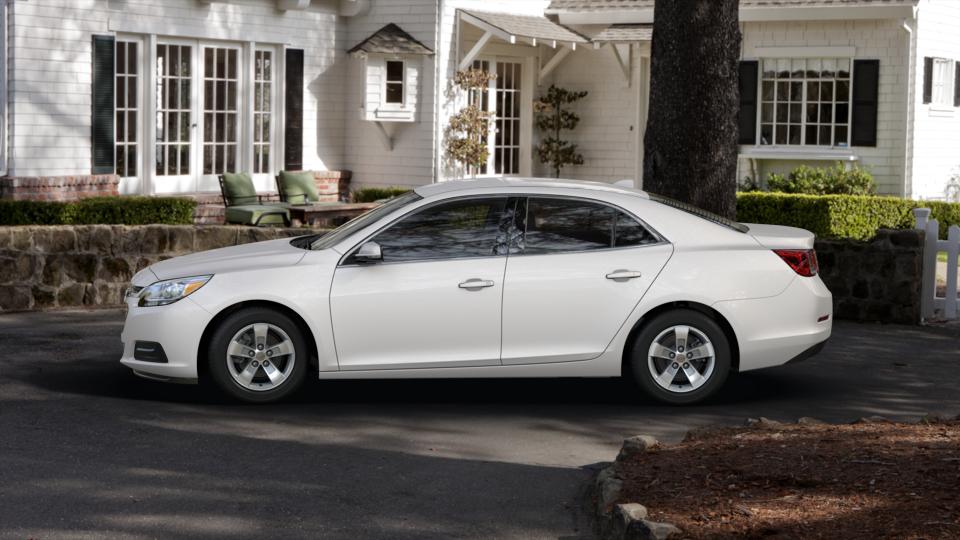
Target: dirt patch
(859, 481)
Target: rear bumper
(776, 330)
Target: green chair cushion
(249, 214)
(238, 189)
(298, 187)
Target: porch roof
(510, 27)
(557, 6)
(391, 39)
(624, 33)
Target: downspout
(437, 94)
(909, 128)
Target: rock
(622, 519)
(608, 488)
(71, 295)
(79, 267)
(54, 239)
(763, 422)
(637, 444)
(873, 420)
(15, 297)
(16, 266)
(650, 530)
(95, 238)
(810, 421)
(180, 239)
(630, 511)
(22, 238)
(215, 237)
(44, 296)
(114, 269)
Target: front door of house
(509, 134)
(174, 157)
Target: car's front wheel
(258, 355)
(681, 357)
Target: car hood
(258, 255)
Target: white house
(166, 94)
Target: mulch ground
(858, 481)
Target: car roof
(449, 186)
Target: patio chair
(297, 187)
(244, 206)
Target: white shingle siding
(936, 130)
(883, 40)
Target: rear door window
(573, 225)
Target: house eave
(748, 14)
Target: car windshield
(335, 236)
(699, 212)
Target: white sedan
(488, 278)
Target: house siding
(883, 40)
(936, 130)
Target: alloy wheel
(260, 357)
(681, 359)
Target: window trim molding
(801, 52)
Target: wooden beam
(626, 67)
(554, 62)
(384, 137)
(468, 59)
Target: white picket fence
(932, 305)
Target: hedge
(840, 216)
(99, 210)
(373, 194)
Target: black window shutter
(956, 84)
(927, 79)
(102, 81)
(293, 116)
(749, 71)
(866, 80)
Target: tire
(704, 335)
(238, 359)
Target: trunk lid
(781, 237)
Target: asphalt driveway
(89, 450)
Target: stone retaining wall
(876, 280)
(44, 267)
(67, 266)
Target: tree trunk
(690, 145)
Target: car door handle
(476, 283)
(617, 275)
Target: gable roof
(391, 39)
(527, 26)
(624, 33)
(610, 5)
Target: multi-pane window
(805, 101)
(394, 82)
(481, 100)
(506, 148)
(262, 110)
(127, 104)
(220, 111)
(173, 108)
(943, 80)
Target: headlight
(162, 293)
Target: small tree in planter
(466, 134)
(552, 117)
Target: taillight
(803, 261)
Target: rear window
(699, 212)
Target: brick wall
(58, 188)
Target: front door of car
(577, 273)
(434, 298)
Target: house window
(805, 101)
(221, 135)
(127, 99)
(394, 82)
(502, 99)
(174, 66)
(943, 80)
(262, 109)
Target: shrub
(836, 180)
(100, 210)
(373, 194)
(840, 216)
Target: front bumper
(177, 327)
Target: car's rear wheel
(681, 357)
(258, 355)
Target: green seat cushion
(238, 189)
(248, 214)
(298, 187)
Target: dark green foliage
(100, 210)
(373, 194)
(836, 180)
(551, 119)
(841, 216)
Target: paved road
(88, 450)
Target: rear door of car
(574, 274)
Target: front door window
(220, 110)
(173, 94)
(503, 99)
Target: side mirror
(369, 253)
